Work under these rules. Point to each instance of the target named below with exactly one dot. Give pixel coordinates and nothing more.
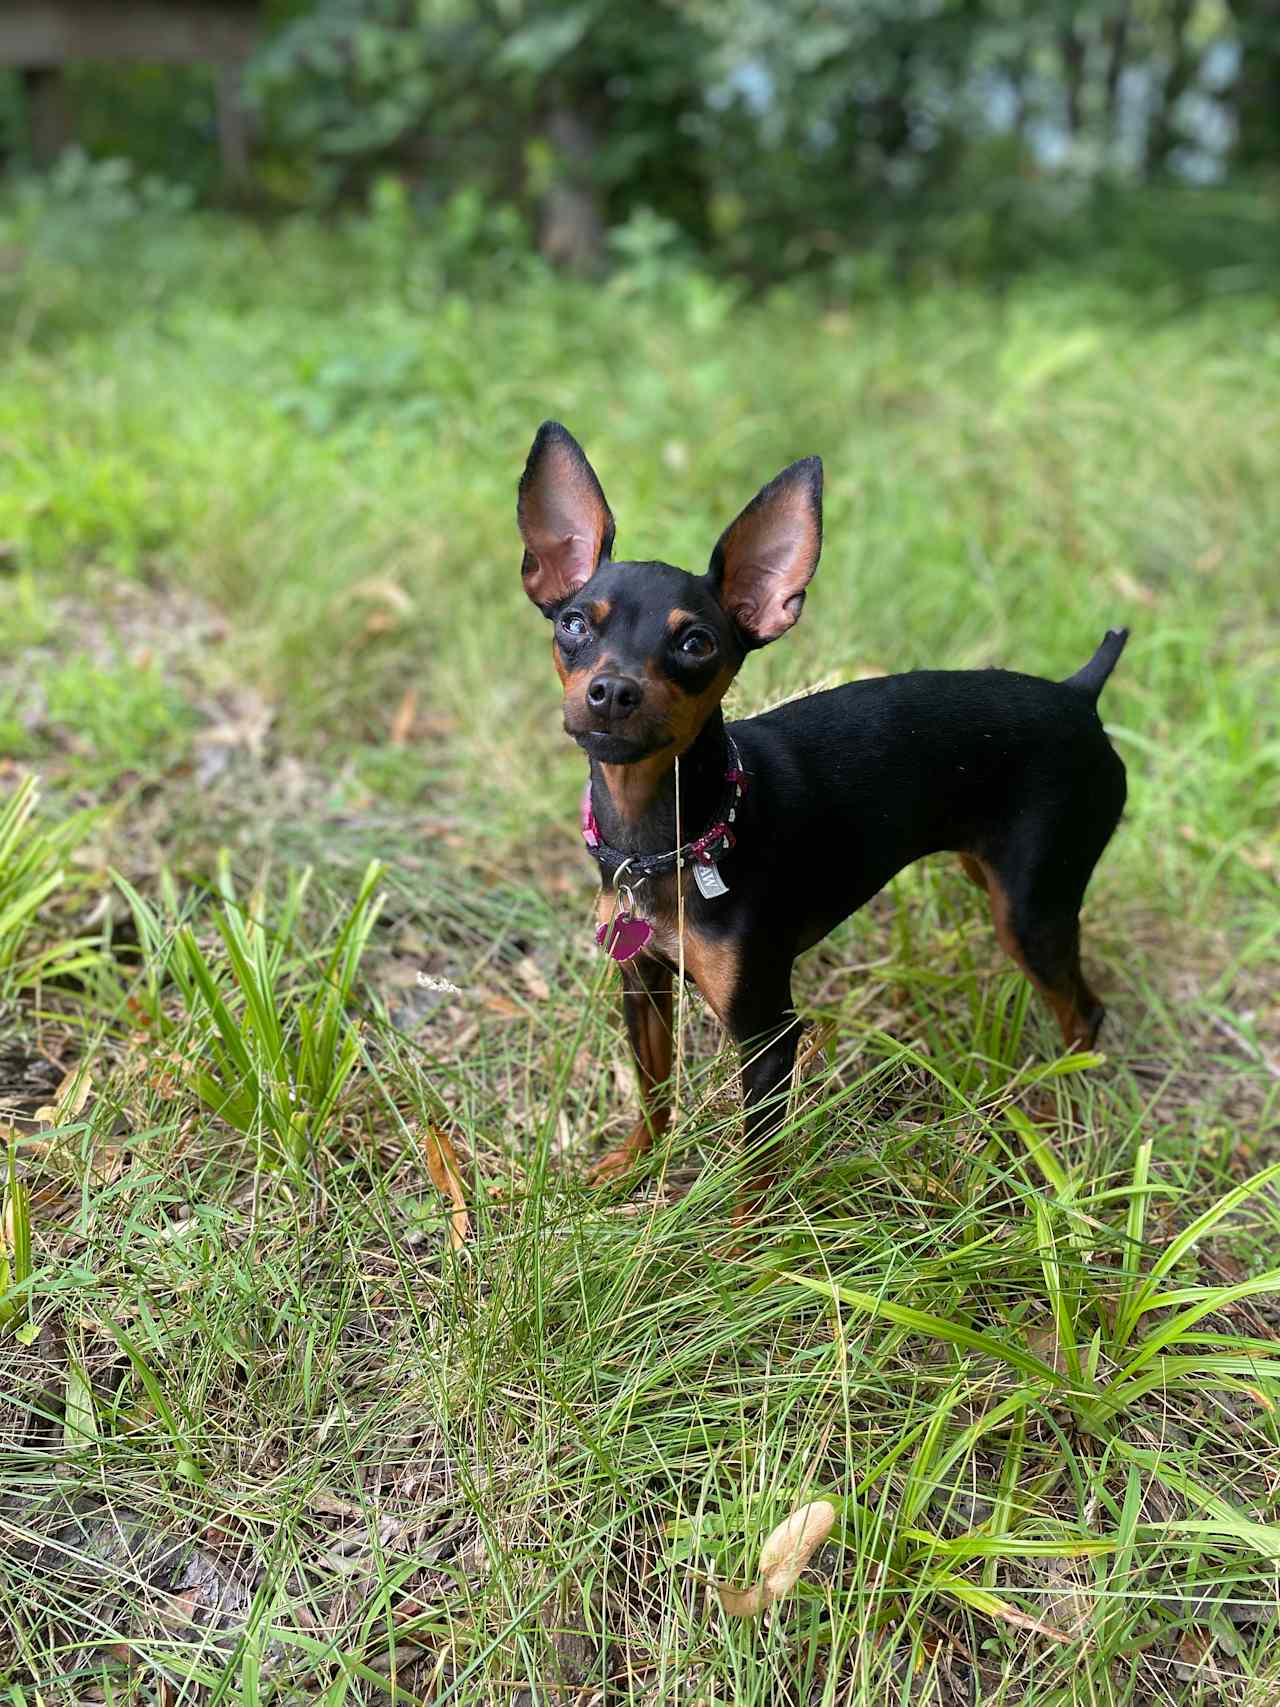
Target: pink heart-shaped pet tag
(622, 939)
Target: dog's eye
(573, 626)
(697, 643)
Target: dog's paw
(617, 1163)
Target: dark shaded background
(764, 137)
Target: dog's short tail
(1093, 677)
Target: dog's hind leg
(1037, 922)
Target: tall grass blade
(933, 1327)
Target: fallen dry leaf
(792, 1544)
(1043, 1342)
(1129, 587)
(1068, 1605)
(69, 1098)
(1262, 858)
(178, 1612)
(1024, 1621)
(532, 979)
(403, 718)
(783, 1557)
(442, 1165)
(244, 727)
(742, 1602)
(1195, 1645)
(383, 590)
(1194, 1659)
(324, 1500)
(391, 604)
(814, 1044)
(8, 1236)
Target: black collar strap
(704, 851)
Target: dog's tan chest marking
(713, 963)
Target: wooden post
(48, 116)
(40, 37)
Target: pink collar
(704, 851)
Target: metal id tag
(709, 881)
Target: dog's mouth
(612, 748)
(616, 740)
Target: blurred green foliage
(777, 135)
(772, 136)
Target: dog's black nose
(613, 696)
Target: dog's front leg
(646, 1008)
(767, 1033)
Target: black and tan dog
(786, 823)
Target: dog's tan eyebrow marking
(679, 617)
(598, 611)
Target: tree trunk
(893, 110)
(1163, 138)
(1018, 68)
(1071, 46)
(1256, 94)
(571, 230)
(233, 126)
(1115, 36)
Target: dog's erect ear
(763, 562)
(564, 521)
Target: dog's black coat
(844, 788)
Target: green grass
(265, 1435)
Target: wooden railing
(41, 37)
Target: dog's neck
(635, 806)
